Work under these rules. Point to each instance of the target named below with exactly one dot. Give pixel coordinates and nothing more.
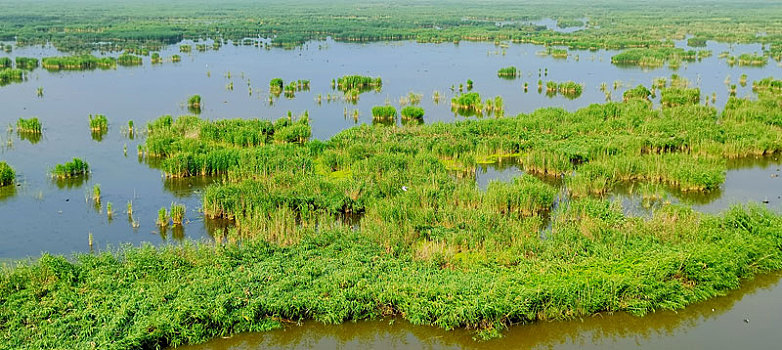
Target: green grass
(412, 112)
(383, 113)
(29, 126)
(74, 168)
(595, 260)
(11, 75)
(99, 123)
(7, 174)
(81, 62)
(507, 72)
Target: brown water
(748, 318)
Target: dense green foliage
(594, 260)
(194, 101)
(275, 85)
(638, 92)
(675, 96)
(78, 62)
(508, 72)
(7, 174)
(126, 59)
(9, 75)
(384, 112)
(768, 85)
(99, 123)
(112, 24)
(652, 57)
(569, 89)
(362, 83)
(215, 151)
(74, 168)
(28, 63)
(747, 59)
(31, 125)
(413, 112)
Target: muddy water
(748, 318)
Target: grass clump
(83, 62)
(7, 174)
(10, 75)
(74, 168)
(177, 213)
(99, 123)
(384, 113)
(29, 126)
(194, 102)
(507, 72)
(412, 113)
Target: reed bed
(74, 168)
(99, 123)
(83, 62)
(7, 174)
(28, 126)
(10, 75)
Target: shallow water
(748, 318)
(41, 215)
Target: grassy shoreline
(151, 297)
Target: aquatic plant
(177, 213)
(507, 72)
(9, 75)
(194, 102)
(384, 113)
(638, 92)
(7, 174)
(652, 57)
(155, 58)
(358, 82)
(675, 96)
(162, 217)
(74, 168)
(126, 59)
(276, 85)
(411, 112)
(30, 126)
(27, 63)
(82, 62)
(96, 193)
(99, 123)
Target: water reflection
(70, 182)
(97, 135)
(188, 186)
(32, 137)
(7, 192)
